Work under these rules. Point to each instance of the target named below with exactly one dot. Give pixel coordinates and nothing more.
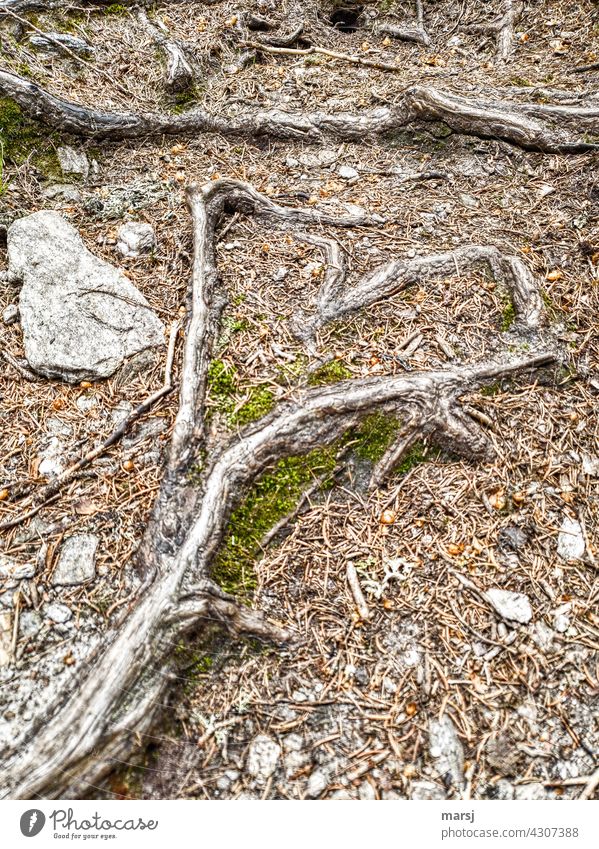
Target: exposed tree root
(503, 27)
(178, 74)
(534, 126)
(118, 692)
(417, 34)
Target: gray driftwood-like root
(417, 34)
(118, 693)
(503, 28)
(178, 75)
(533, 126)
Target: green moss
(329, 373)
(260, 402)
(508, 315)
(183, 100)
(272, 497)
(223, 383)
(375, 435)
(21, 139)
(490, 390)
(222, 379)
(115, 9)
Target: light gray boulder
(73, 161)
(81, 317)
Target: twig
(356, 589)
(332, 54)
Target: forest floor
(435, 695)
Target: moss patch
(331, 372)
(272, 497)
(223, 383)
(508, 315)
(21, 138)
(375, 435)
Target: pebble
(570, 541)
(77, 561)
(317, 783)
(135, 238)
(11, 314)
(447, 750)
(58, 613)
(73, 162)
(11, 571)
(263, 757)
(347, 173)
(512, 606)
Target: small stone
(447, 750)
(469, 201)
(427, 790)
(512, 606)
(317, 783)
(512, 537)
(280, 274)
(73, 162)
(136, 238)
(327, 157)
(11, 571)
(263, 757)
(10, 314)
(366, 792)
(58, 613)
(62, 191)
(52, 459)
(570, 542)
(77, 561)
(30, 623)
(533, 792)
(342, 795)
(346, 172)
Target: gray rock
(73, 162)
(366, 792)
(317, 783)
(514, 607)
(81, 316)
(61, 42)
(512, 537)
(52, 458)
(533, 792)
(62, 191)
(427, 790)
(10, 314)
(135, 238)
(11, 571)
(5, 638)
(77, 561)
(30, 623)
(447, 750)
(570, 541)
(346, 172)
(263, 757)
(58, 613)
